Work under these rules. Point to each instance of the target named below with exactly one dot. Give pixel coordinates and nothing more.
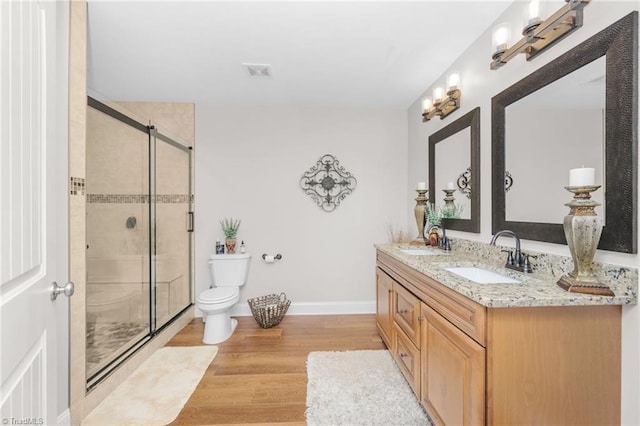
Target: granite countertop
(534, 289)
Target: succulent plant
(434, 214)
(230, 227)
(451, 212)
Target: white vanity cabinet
(471, 364)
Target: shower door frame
(153, 134)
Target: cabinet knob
(402, 355)
(403, 311)
(420, 318)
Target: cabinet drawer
(406, 313)
(407, 356)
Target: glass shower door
(139, 239)
(173, 225)
(117, 227)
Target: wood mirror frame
(471, 120)
(619, 43)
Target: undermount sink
(420, 252)
(481, 275)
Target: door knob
(67, 290)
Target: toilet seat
(218, 294)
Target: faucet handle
(510, 259)
(526, 267)
(445, 244)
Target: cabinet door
(453, 373)
(406, 312)
(384, 290)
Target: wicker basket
(269, 310)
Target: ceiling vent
(259, 70)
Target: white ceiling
(359, 54)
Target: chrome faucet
(515, 260)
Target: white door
(31, 202)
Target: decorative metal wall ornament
(464, 183)
(508, 181)
(328, 183)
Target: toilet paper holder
(276, 257)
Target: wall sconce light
(442, 105)
(538, 35)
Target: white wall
(249, 161)
(479, 84)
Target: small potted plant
(230, 229)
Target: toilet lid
(219, 294)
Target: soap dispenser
(243, 249)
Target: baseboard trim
(314, 308)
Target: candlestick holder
(583, 228)
(421, 203)
(449, 198)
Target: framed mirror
(454, 162)
(578, 110)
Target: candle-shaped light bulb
(438, 92)
(532, 16)
(534, 9)
(500, 40)
(422, 185)
(450, 186)
(426, 104)
(453, 81)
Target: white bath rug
(156, 392)
(359, 388)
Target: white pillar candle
(422, 185)
(450, 185)
(584, 176)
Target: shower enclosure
(139, 223)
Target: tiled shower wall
(77, 201)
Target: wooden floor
(259, 375)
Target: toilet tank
(229, 270)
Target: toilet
(228, 273)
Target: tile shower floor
(107, 340)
